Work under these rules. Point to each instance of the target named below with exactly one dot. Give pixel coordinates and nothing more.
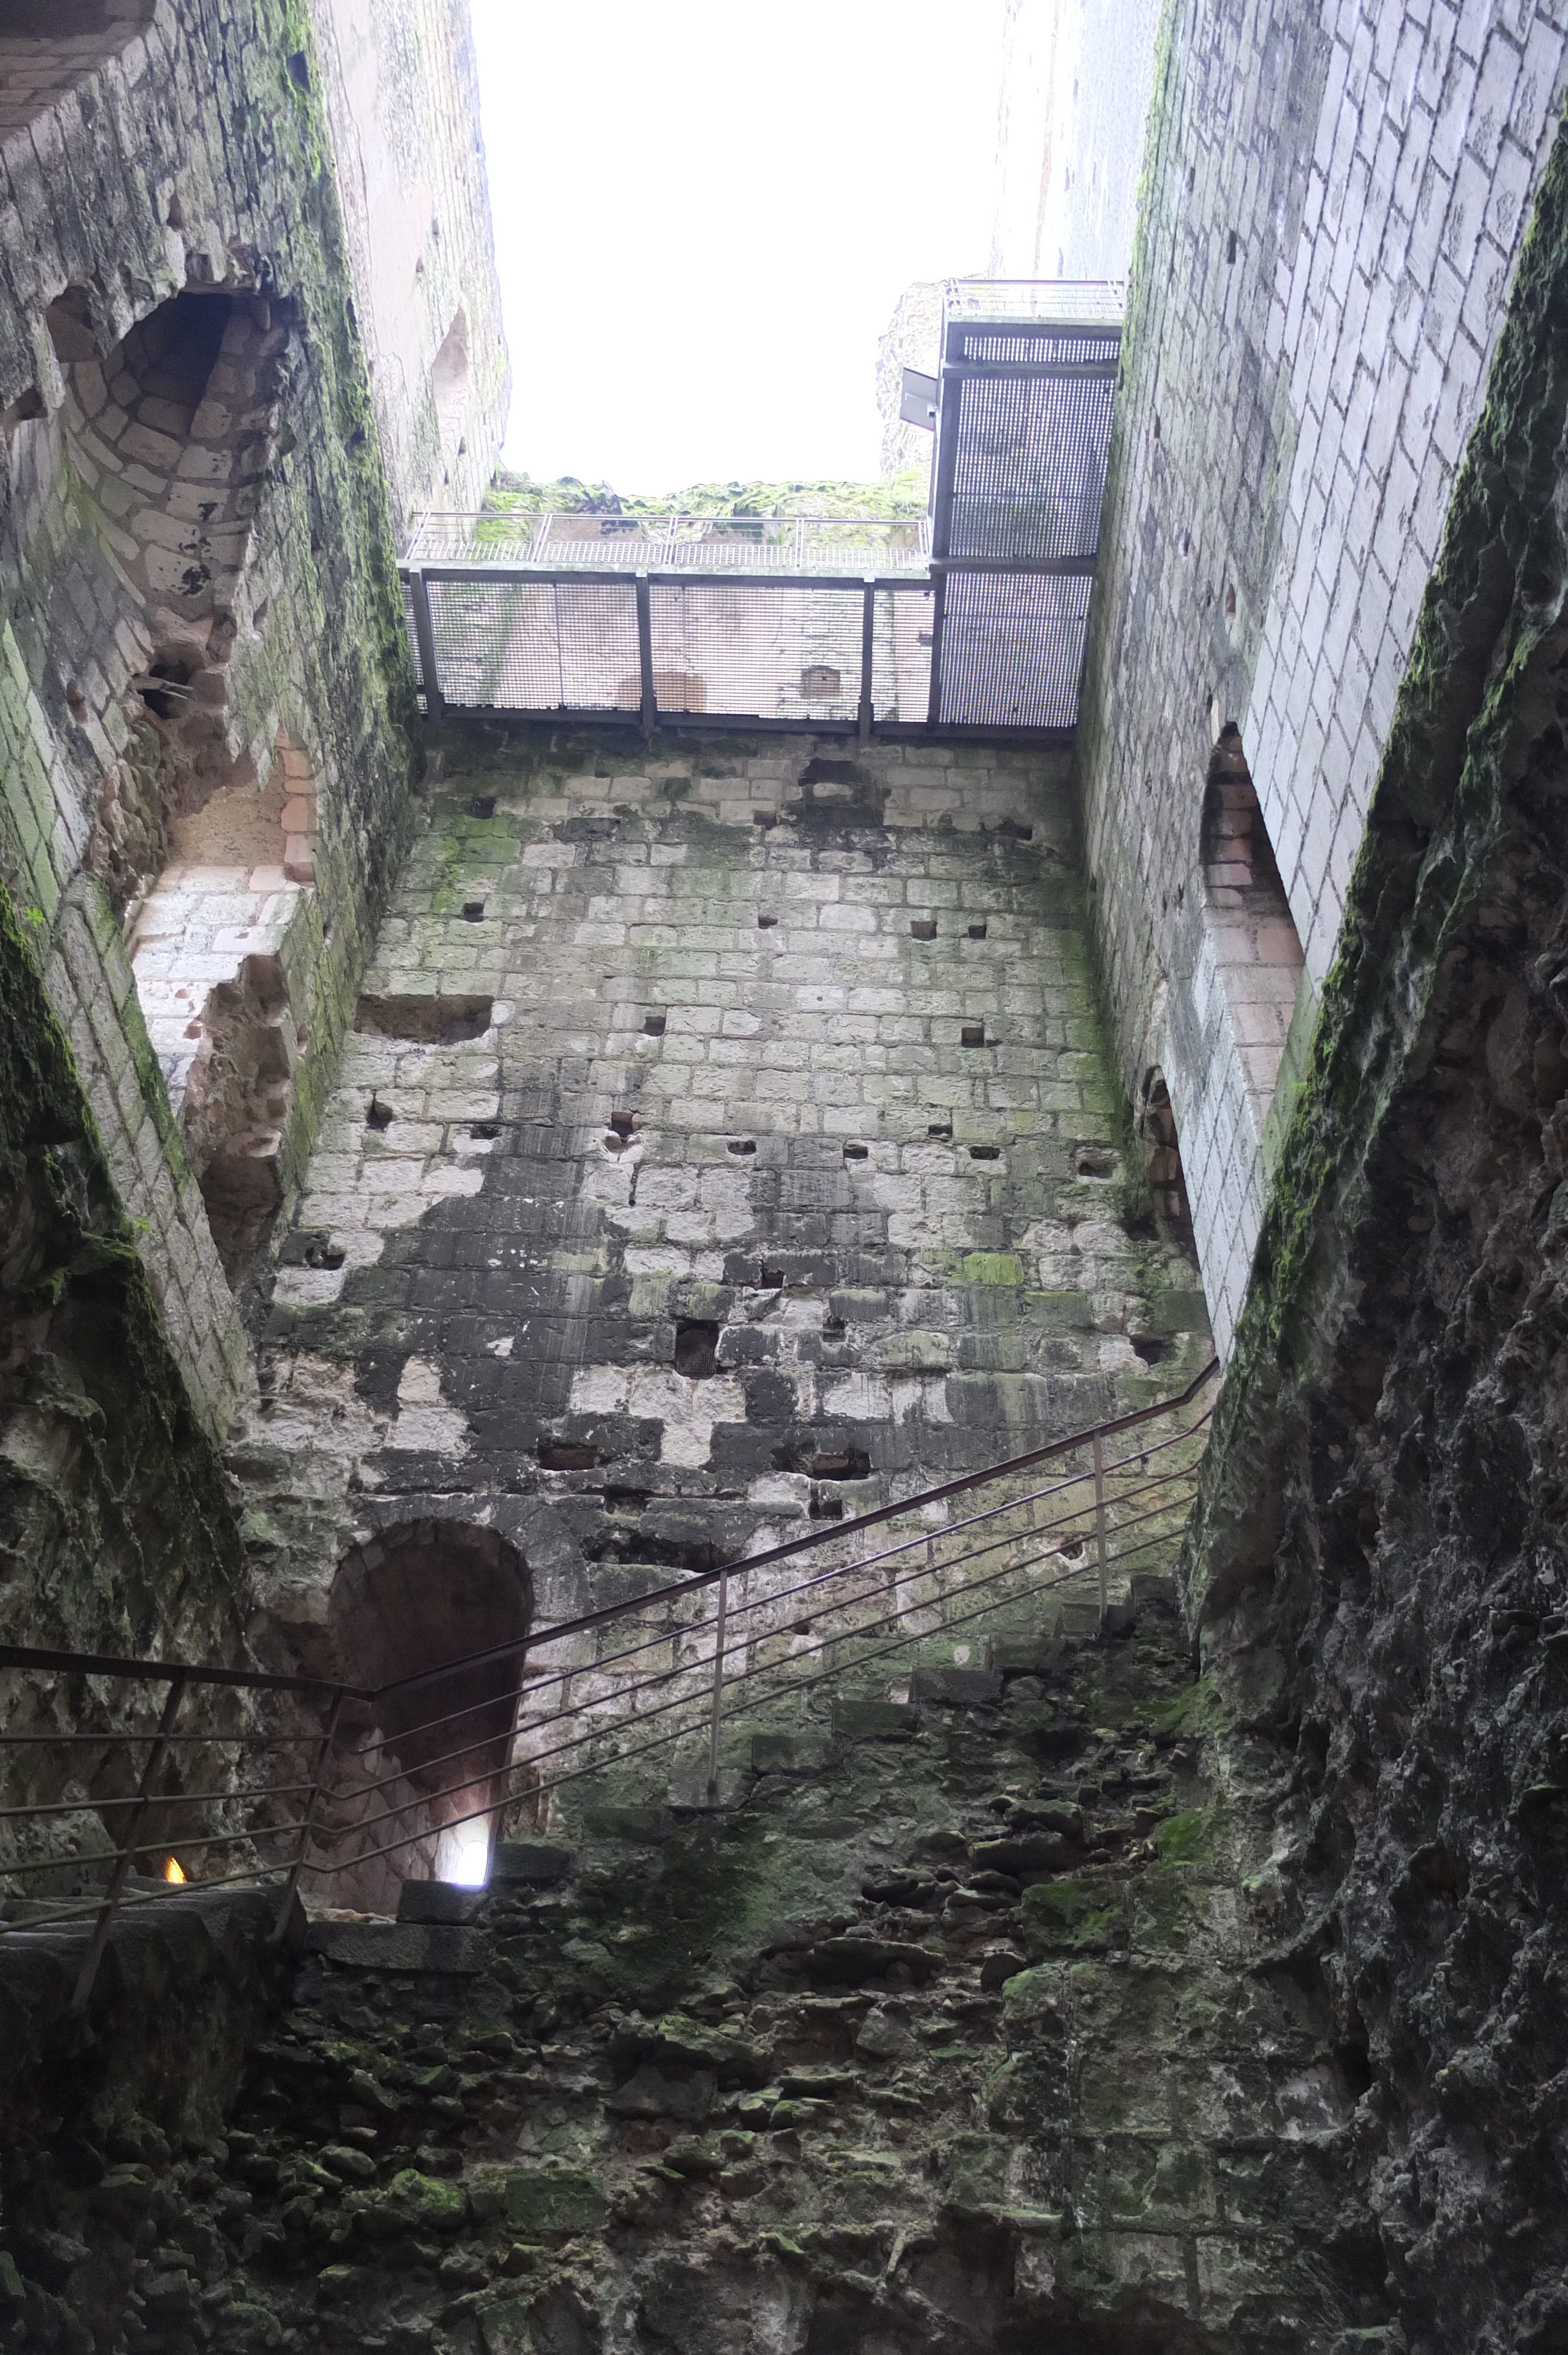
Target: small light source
(173, 1869)
(463, 1856)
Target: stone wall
(403, 97)
(203, 663)
(739, 1043)
(1328, 234)
(1378, 1568)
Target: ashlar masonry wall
(202, 664)
(733, 1123)
(1335, 203)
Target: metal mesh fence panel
(1030, 469)
(901, 654)
(1013, 649)
(756, 652)
(547, 646)
(413, 637)
(1048, 346)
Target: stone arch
(49, 46)
(450, 375)
(410, 1599)
(1251, 933)
(168, 431)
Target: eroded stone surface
(994, 2061)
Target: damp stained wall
(711, 1110)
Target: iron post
(719, 1680)
(122, 1862)
(323, 1752)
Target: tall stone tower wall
(402, 96)
(1324, 258)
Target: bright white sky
(705, 211)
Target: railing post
(425, 637)
(867, 658)
(1100, 1526)
(719, 1680)
(117, 1876)
(938, 608)
(645, 654)
(307, 1823)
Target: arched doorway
(432, 1749)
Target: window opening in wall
(1162, 1159)
(1255, 947)
(25, 409)
(406, 1602)
(449, 1021)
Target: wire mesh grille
(1030, 470)
(413, 637)
(1046, 349)
(1013, 649)
(721, 544)
(544, 646)
(756, 652)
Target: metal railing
(847, 651)
(711, 1653)
(1080, 302)
(721, 545)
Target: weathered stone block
(534, 1861)
(401, 1947)
(874, 1720)
(437, 1900)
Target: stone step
(401, 1946)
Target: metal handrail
(577, 541)
(851, 1585)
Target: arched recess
(404, 1603)
(449, 372)
(168, 433)
(1162, 1159)
(1252, 935)
(47, 47)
